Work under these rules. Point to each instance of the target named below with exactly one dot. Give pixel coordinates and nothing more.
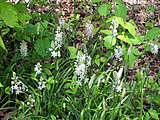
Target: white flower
(118, 88)
(89, 27)
(17, 86)
(23, 49)
(117, 83)
(54, 54)
(82, 58)
(154, 48)
(42, 84)
(58, 1)
(80, 70)
(31, 101)
(82, 63)
(57, 44)
(114, 27)
(118, 52)
(14, 1)
(27, 1)
(61, 21)
(38, 68)
(88, 60)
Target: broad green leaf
(109, 42)
(153, 33)
(104, 9)
(23, 17)
(2, 44)
(48, 86)
(4, 31)
(120, 9)
(47, 71)
(121, 21)
(137, 40)
(7, 90)
(107, 32)
(41, 26)
(9, 15)
(124, 38)
(131, 61)
(146, 116)
(130, 28)
(103, 59)
(153, 114)
(73, 52)
(1, 85)
(30, 29)
(42, 46)
(97, 61)
(135, 51)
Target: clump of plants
(57, 67)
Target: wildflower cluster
(23, 49)
(154, 48)
(17, 86)
(118, 52)
(38, 68)
(114, 27)
(31, 101)
(57, 44)
(89, 28)
(61, 21)
(82, 63)
(117, 83)
(42, 84)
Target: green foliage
(2, 44)
(153, 33)
(73, 52)
(42, 46)
(97, 84)
(109, 42)
(104, 9)
(120, 9)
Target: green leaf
(120, 9)
(137, 40)
(131, 61)
(107, 32)
(48, 86)
(2, 44)
(146, 116)
(103, 59)
(1, 85)
(23, 18)
(104, 9)
(30, 29)
(95, 1)
(73, 52)
(153, 114)
(42, 46)
(47, 71)
(109, 42)
(124, 38)
(153, 33)
(41, 26)
(130, 28)
(5, 31)
(97, 61)
(7, 90)
(135, 51)
(9, 15)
